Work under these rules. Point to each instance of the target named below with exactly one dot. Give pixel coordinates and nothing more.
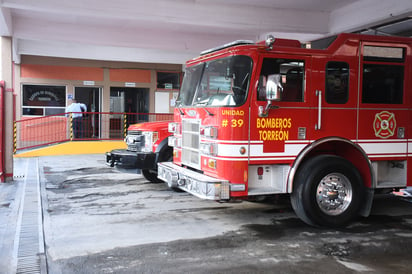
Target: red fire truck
(147, 144)
(330, 126)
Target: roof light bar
(231, 44)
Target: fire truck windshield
(220, 82)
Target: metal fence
(40, 131)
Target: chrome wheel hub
(334, 194)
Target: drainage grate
(29, 245)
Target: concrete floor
(97, 219)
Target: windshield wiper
(180, 111)
(178, 108)
(208, 112)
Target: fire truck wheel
(327, 191)
(151, 175)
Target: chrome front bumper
(198, 184)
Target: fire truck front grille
(191, 143)
(134, 140)
(134, 132)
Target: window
(43, 100)
(383, 75)
(168, 80)
(337, 82)
(292, 78)
(382, 84)
(190, 82)
(221, 82)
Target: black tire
(151, 175)
(341, 187)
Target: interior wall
(77, 73)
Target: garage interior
(160, 36)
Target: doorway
(90, 96)
(132, 101)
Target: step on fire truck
(331, 126)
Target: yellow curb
(75, 147)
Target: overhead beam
(162, 39)
(366, 13)
(97, 52)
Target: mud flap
(367, 205)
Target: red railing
(40, 131)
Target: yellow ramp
(76, 147)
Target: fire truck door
(277, 135)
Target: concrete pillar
(6, 75)
(105, 107)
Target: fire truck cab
(330, 126)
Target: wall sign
(88, 83)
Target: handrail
(93, 126)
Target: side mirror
(273, 88)
(273, 93)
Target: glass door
(90, 96)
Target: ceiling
(173, 31)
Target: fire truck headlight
(149, 139)
(208, 148)
(173, 141)
(131, 139)
(210, 132)
(174, 128)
